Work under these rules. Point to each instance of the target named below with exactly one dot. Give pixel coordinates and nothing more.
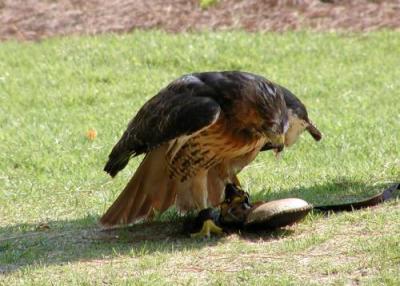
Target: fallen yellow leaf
(91, 134)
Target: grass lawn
(53, 189)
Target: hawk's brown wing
(182, 108)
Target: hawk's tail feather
(149, 189)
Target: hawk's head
(298, 122)
(274, 114)
(298, 119)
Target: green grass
(52, 92)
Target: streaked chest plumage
(188, 155)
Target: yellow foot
(208, 228)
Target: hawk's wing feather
(180, 109)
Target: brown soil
(37, 19)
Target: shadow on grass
(60, 242)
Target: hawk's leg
(235, 180)
(206, 218)
(207, 229)
(199, 190)
(206, 224)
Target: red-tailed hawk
(197, 134)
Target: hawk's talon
(207, 229)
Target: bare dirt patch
(37, 19)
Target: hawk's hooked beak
(277, 144)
